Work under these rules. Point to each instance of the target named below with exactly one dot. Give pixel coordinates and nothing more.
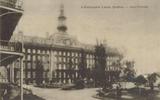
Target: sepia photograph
(79, 50)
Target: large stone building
(60, 56)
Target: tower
(62, 37)
(62, 28)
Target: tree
(129, 71)
(83, 66)
(39, 72)
(100, 64)
(140, 80)
(70, 68)
(152, 78)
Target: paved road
(84, 94)
(57, 94)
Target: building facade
(61, 56)
(10, 14)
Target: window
(47, 58)
(60, 67)
(80, 54)
(60, 75)
(57, 66)
(46, 66)
(39, 57)
(60, 59)
(43, 51)
(34, 65)
(23, 50)
(60, 53)
(88, 56)
(47, 51)
(29, 50)
(64, 53)
(29, 74)
(16, 64)
(76, 67)
(43, 58)
(64, 75)
(34, 58)
(64, 59)
(38, 51)
(29, 57)
(64, 66)
(28, 65)
(34, 74)
(76, 60)
(57, 59)
(18, 74)
(76, 54)
(76, 74)
(87, 61)
(64, 81)
(24, 76)
(55, 74)
(72, 53)
(68, 54)
(34, 51)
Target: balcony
(10, 46)
(14, 4)
(9, 51)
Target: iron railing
(15, 4)
(10, 46)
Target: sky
(133, 26)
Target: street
(84, 94)
(57, 94)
